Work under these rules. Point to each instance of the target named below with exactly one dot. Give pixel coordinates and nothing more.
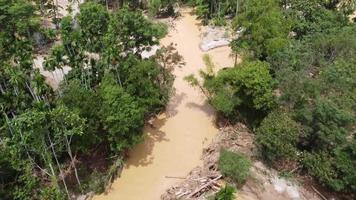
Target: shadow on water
(175, 101)
(142, 153)
(205, 108)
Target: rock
(206, 46)
(152, 51)
(85, 196)
(214, 37)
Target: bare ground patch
(263, 184)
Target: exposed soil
(263, 184)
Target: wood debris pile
(206, 180)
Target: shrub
(335, 171)
(226, 193)
(234, 166)
(278, 136)
(248, 85)
(320, 166)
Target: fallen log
(178, 177)
(319, 193)
(204, 186)
(180, 195)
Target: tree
(87, 103)
(39, 138)
(264, 28)
(314, 16)
(162, 7)
(215, 10)
(248, 84)
(130, 32)
(101, 103)
(122, 116)
(93, 20)
(315, 86)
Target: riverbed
(174, 144)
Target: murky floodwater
(174, 146)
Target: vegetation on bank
(225, 193)
(234, 166)
(54, 142)
(295, 86)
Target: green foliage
(33, 189)
(130, 31)
(314, 16)
(86, 103)
(315, 80)
(161, 7)
(101, 103)
(277, 136)
(234, 166)
(246, 85)
(225, 193)
(149, 91)
(320, 166)
(160, 28)
(95, 181)
(310, 47)
(264, 28)
(94, 21)
(136, 88)
(122, 116)
(215, 10)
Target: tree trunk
(237, 7)
(58, 165)
(69, 150)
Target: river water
(174, 146)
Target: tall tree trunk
(34, 96)
(2, 90)
(55, 14)
(58, 165)
(235, 62)
(8, 123)
(237, 7)
(69, 150)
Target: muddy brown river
(175, 145)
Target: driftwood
(319, 193)
(204, 186)
(200, 183)
(182, 194)
(177, 177)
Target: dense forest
(295, 87)
(47, 135)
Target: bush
(248, 85)
(234, 166)
(335, 171)
(226, 193)
(278, 136)
(161, 7)
(319, 165)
